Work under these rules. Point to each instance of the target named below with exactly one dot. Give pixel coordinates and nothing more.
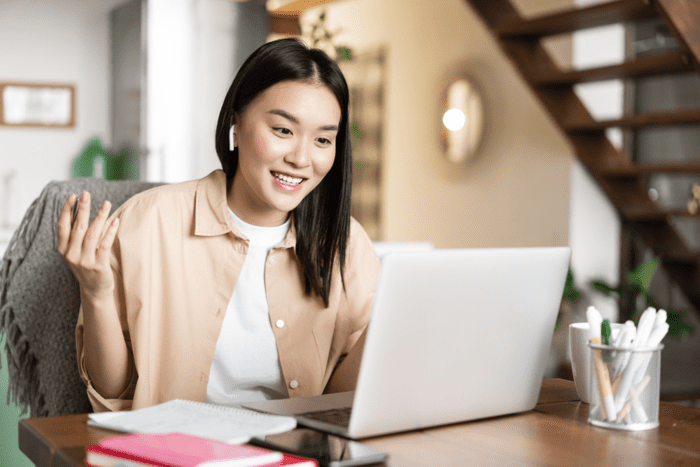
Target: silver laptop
(455, 335)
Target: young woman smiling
(253, 282)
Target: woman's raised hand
(78, 244)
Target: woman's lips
(286, 181)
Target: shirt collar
(211, 211)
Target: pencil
(604, 387)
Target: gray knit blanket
(40, 300)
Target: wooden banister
(683, 20)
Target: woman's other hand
(81, 247)
(99, 335)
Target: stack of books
(182, 450)
(182, 433)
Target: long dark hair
(322, 219)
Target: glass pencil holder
(624, 386)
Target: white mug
(578, 354)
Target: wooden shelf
(575, 19)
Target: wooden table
(555, 433)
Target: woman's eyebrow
(293, 119)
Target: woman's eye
(284, 131)
(324, 141)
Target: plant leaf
(651, 301)
(355, 131)
(676, 326)
(344, 53)
(570, 292)
(606, 289)
(643, 274)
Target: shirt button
(272, 260)
(279, 323)
(293, 384)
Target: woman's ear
(231, 146)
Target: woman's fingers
(106, 243)
(80, 225)
(94, 232)
(65, 221)
(78, 244)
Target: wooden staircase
(623, 182)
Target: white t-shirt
(246, 364)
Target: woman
(251, 283)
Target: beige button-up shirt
(176, 259)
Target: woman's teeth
(286, 179)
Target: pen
(605, 332)
(624, 340)
(602, 376)
(660, 319)
(640, 415)
(625, 409)
(655, 338)
(646, 322)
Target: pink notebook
(177, 450)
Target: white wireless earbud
(231, 147)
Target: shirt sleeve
(124, 400)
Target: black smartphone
(328, 450)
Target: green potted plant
(638, 282)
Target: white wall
(226, 33)
(53, 41)
(194, 48)
(214, 71)
(170, 89)
(595, 229)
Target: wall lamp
(463, 119)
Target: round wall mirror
(462, 124)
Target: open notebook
(229, 424)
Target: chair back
(40, 300)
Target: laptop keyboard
(340, 417)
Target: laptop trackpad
(301, 405)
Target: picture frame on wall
(37, 105)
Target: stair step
(638, 215)
(642, 170)
(681, 117)
(577, 18)
(685, 257)
(657, 214)
(518, 38)
(680, 213)
(668, 63)
(681, 17)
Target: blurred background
(149, 76)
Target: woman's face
(286, 141)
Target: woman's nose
(299, 155)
